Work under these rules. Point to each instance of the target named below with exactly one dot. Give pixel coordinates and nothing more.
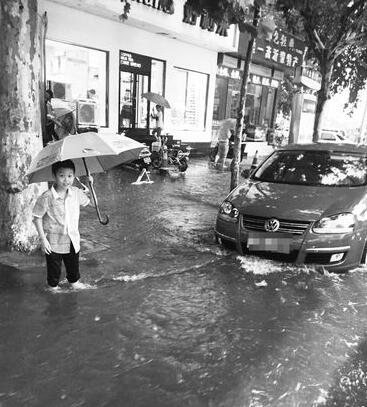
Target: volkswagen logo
(271, 225)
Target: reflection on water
(176, 320)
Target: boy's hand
(46, 247)
(90, 179)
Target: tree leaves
(336, 36)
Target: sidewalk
(141, 216)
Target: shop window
(138, 74)
(189, 107)
(76, 72)
(220, 98)
(260, 104)
(226, 98)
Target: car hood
(297, 202)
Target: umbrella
(157, 99)
(90, 152)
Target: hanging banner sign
(283, 49)
(135, 63)
(263, 80)
(229, 72)
(192, 17)
(162, 5)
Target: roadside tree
(335, 34)
(20, 118)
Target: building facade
(90, 54)
(272, 59)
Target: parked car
(307, 202)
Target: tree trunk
(235, 164)
(20, 120)
(323, 95)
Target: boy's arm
(86, 198)
(46, 247)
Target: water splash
(259, 266)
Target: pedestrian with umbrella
(157, 112)
(56, 213)
(56, 217)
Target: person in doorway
(158, 125)
(50, 133)
(65, 125)
(56, 217)
(225, 132)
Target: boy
(56, 217)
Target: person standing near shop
(225, 131)
(157, 116)
(50, 133)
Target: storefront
(97, 57)
(269, 62)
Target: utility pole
(362, 137)
(235, 165)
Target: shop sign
(263, 80)
(192, 17)
(130, 62)
(283, 49)
(308, 76)
(163, 5)
(228, 72)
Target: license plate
(270, 242)
(147, 160)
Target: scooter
(167, 152)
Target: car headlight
(228, 209)
(341, 223)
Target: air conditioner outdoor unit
(86, 113)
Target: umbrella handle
(106, 218)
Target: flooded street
(171, 319)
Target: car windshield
(320, 168)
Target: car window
(320, 168)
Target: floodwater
(171, 319)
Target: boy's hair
(62, 164)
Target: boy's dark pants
(71, 261)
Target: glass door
(142, 108)
(127, 110)
(133, 107)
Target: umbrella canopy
(100, 153)
(58, 112)
(157, 99)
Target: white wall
(80, 28)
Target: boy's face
(64, 178)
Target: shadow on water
(350, 380)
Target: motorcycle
(169, 152)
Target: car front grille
(293, 227)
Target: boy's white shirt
(73, 200)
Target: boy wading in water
(56, 217)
